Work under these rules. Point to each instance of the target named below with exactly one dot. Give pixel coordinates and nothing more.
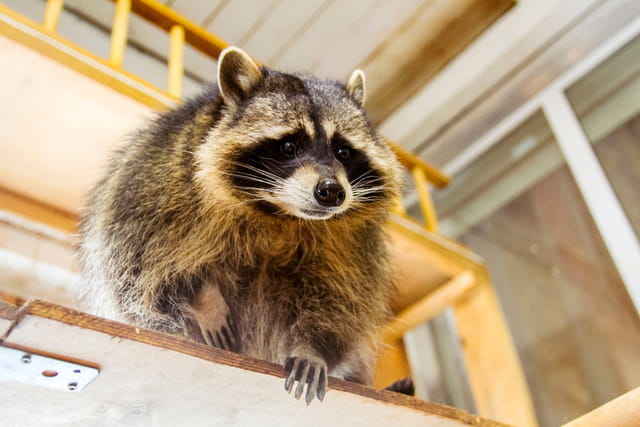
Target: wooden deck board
(148, 377)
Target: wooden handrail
(165, 18)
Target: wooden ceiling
(399, 44)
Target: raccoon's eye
(288, 148)
(344, 154)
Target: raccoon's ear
(237, 75)
(356, 88)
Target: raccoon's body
(251, 219)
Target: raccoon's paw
(225, 337)
(311, 371)
(404, 386)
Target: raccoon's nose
(329, 192)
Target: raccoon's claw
(224, 338)
(314, 374)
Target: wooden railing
(182, 31)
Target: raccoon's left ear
(356, 88)
(237, 75)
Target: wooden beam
(38, 212)
(214, 385)
(429, 306)
(455, 26)
(623, 411)
(497, 380)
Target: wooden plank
(187, 383)
(446, 28)
(429, 306)
(38, 212)
(497, 380)
(623, 411)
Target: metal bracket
(44, 371)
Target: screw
(72, 386)
(26, 358)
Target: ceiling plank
(287, 19)
(238, 17)
(196, 11)
(330, 28)
(360, 41)
(400, 67)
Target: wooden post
(119, 32)
(497, 380)
(52, 14)
(176, 60)
(426, 204)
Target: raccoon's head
(295, 146)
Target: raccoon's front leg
(308, 368)
(212, 315)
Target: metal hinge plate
(45, 371)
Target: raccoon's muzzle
(329, 193)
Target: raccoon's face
(298, 146)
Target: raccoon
(251, 219)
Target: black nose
(329, 192)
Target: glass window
(575, 328)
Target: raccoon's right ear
(237, 75)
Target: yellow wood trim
(165, 18)
(429, 306)
(119, 32)
(409, 161)
(624, 411)
(52, 14)
(176, 60)
(457, 256)
(495, 374)
(59, 49)
(426, 204)
(36, 211)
